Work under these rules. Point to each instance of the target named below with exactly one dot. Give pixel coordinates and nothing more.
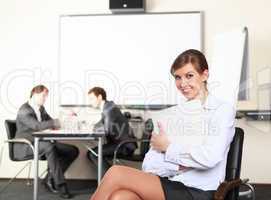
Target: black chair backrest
(11, 132)
(148, 128)
(234, 161)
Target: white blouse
(201, 152)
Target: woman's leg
(144, 185)
(124, 195)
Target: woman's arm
(212, 151)
(154, 162)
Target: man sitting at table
(115, 125)
(32, 117)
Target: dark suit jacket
(116, 125)
(27, 122)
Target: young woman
(194, 170)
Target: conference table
(74, 135)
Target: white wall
(28, 49)
(256, 162)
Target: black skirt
(174, 190)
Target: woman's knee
(123, 195)
(116, 173)
(117, 195)
(118, 177)
(114, 170)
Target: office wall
(28, 55)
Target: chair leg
(46, 170)
(10, 181)
(1, 153)
(29, 179)
(29, 182)
(250, 193)
(117, 161)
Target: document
(183, 123)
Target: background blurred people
(115, 125)
(32, 117)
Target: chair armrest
(227, 186)
(20, 140)
(124, 142)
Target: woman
(189, 171)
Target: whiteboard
(229, 57)
(129, 55)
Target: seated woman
(172, 169)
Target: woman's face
(189, 82)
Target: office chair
(143, 145)
(10, 126)
(229, 189)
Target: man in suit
(32, 117)
(115, 125)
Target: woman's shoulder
(214, 102)
(221, 108)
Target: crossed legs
(59, 157)
(124, 195)
(127, 183)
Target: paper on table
(67, 131)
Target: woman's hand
(159, 141)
